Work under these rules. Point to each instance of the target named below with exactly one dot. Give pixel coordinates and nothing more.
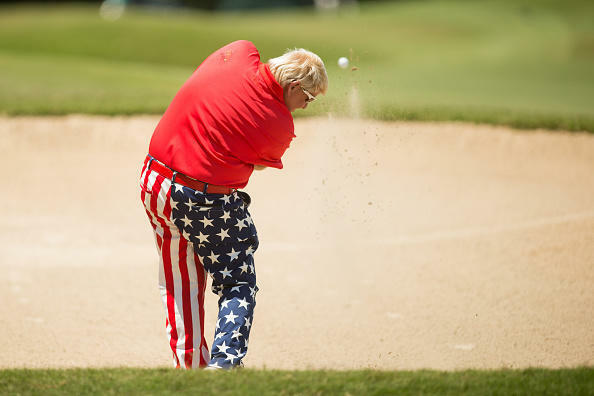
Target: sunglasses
(310, 97)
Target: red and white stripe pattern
(182, 279)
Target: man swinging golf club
(233, 115)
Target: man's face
(296, 97)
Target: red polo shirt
(228, 116)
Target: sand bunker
(383, 245)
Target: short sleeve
(271, 155)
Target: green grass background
(574, 382)
(521, 63)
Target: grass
(128, 381)
(529, 64)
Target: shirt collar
(271, 82)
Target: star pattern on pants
(225, 239)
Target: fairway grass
(520, 63)
(128, 381)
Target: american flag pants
(199, 234)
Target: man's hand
(259, 167)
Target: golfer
(233, 115)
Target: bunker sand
(383, 245)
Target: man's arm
(259, 167)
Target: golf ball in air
(343, 62)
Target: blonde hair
(303, 65)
